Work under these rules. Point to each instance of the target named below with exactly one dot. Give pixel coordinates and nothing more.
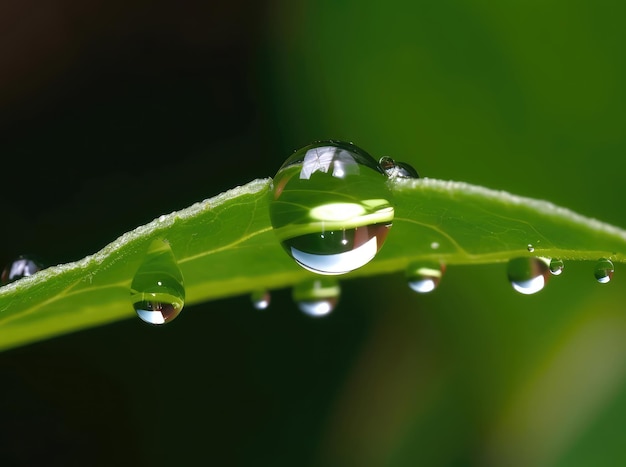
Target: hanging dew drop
(331, 207)
(528, 275)
(317, 297)
(157, 292)
(556, 266)
(603, 270)
(424, 278)
(22, 266)
(260, 299)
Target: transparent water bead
(424, 277)
(157, 291)
(556, 266)
(22, 266)
(260, 299)
(603, 270)
(317, 297)
(331, 207)
(395, 169)
(528, 275)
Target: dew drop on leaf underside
(556, 266)
(603, 270)
(528, 275)
(424, 277)
(157, 291)
(317, 297)
(331, 207)
(260, 299)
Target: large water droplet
(260, 299)
(331, 207)
(603, 270)
(424, 277)
(22, 266)
(556, 266)
(528, 275)
(317, 297)
(157, 292)
(395, 169)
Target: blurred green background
(112, 113)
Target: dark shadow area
(112, 114)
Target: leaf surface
(225, 246)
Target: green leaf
(225, 246)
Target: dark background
(113, 113)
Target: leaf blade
(225, 246)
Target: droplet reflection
(556, 266)
(603, 270)
(260, 299)
(317, 297)
(157, 291)
(330, 207)
(22, 266)
(424, 277)
(528, 275)
(395, 169)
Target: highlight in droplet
(330, 207)
(317, 297)
(528, 275)
(157, 291)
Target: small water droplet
(434, 245)
(317, 297)
(157, 292)
(22, 266)
(528, 275)
(556, 266)
(424, 277)
(530, 248)
(330, 207)
(395, 169)
(603, 270)
(260, 299)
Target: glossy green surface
(225, 246)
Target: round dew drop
(424, 278)
(260, 299)
(317, 297)
(157, 292)
(331, 207)
(556, 266)
(395, 169)
(528, 275)
(603, 270)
